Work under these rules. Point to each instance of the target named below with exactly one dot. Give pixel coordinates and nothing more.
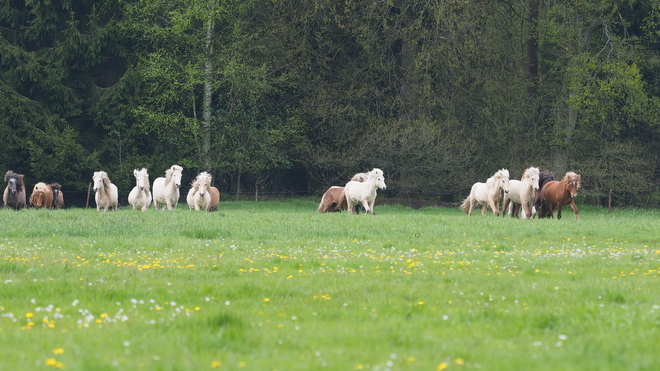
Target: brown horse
(333, 200)
(42, 196)
(215, 198)
(14, 195)
(58, 196)
(561, 193)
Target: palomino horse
(107, 195)
(364, 192)
(14, 195)
(166, 190)
(522, 193)
(487, 194)
(198, 196)
(140, 196)
(58, 197)
(544, 178)
(561, 193)
(215, 199)
(42, 196)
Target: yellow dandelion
(241, 364)
(58, 351)
(215, 364)
(459, 361)
(29, 315)
(266, 299)
(441, 366)
(51, 362)
(197, 308)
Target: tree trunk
(208, 88)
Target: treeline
(300, 95)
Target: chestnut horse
(14, 195)
(58, 196)
(561, 193)
(333, 200)
(42, 196)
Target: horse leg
(505, 206)
(484, 209)
(558, 212)
(492, 206)
(349, 204)
(471, 207)
(575, 210)
(367, 208)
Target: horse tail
(465, 206)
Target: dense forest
(293, 96)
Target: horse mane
(143, 173)
(490, 182)
(571, 176)
(545, 177)
(169, 172)
(12, 175)
(201, 176)
(531, 171)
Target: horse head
(572, 181)
(176, 174)
(532, 174)
(99, 178)
(14, 181)
(141, 179)
(202, 183)
(503, 179)
(380, 182)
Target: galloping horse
(166, 190)
(215, 199)
(198, 197)
(14, 195)
(42, 196)
(58, 197)
(140, 196)
(333, 200)
(488, 193)
(544, 178)
(107, 195)
(364, 192)
(521, 193)
(561, 193)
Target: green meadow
(278, 286)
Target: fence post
(609, 201)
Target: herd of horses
(536, 193)
(201, 196)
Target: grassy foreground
(278, 286)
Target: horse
(58, 196)
(140, 195)
(107, 195)
(364, 192)
(198, 196)
(42, 196)
(561, 193)
(488, 193)
(544, 178)
(521, 194)
(14, 194)
(215, 199)
(166, 190)
(333, 200)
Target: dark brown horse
(42, 196)
(544, 178)
(561, 193)
(14, 195)
(58, 196)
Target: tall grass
(278, 286)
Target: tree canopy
(297, 96)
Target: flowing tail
(465, 206)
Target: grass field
(278, 286)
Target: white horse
(522, 193)
(199, 197)
(166, 190)
(364, 192)
(487, 194)
(107, 195)
(140, 196)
